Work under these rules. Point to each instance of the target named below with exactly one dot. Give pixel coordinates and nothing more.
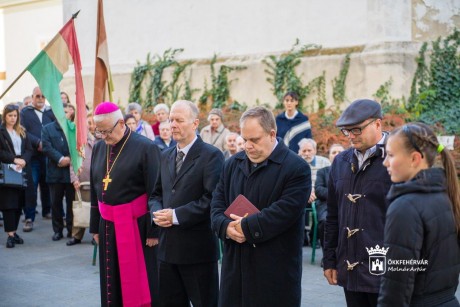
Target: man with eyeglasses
(124, 170)
(356, 205)
(34, 117)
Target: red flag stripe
(69, 35)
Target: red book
(241, 206)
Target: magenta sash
(133, 274)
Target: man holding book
(262, 258)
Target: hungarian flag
(48, 68)
(102, 75)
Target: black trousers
(361, 299)
(11, 219)
(321, 225)
(57, 193)
(180, 284)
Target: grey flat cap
(358, 111)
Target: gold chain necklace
(107, 178)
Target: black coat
(133, 174)
(366, 215)
(12, 198)
(266, 270)
(322, 180)
(189, 193)
(55, 147)
(30, 121)
(420, 226)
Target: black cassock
(133, 173)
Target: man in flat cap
(215, 133)
(357, 205)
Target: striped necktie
(179, 161)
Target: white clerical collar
(187, 148)
(291, 117)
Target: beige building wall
(384, 35)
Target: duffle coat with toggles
(356, 218)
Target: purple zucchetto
(106, 108)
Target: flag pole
(14, 82)
(75, 15)
(24, 71)
(109, 87)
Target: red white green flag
(48, 69)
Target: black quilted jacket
(423, 260)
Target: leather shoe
(18, 239)
(73, 241)
(10, 242)
(57, 236)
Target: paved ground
(46, 273)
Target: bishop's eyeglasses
(106, 132)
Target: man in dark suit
(33, 118)
(180, 207)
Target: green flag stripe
(48, 78)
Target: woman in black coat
(15, 150)
(422, 223)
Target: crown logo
(377, 250)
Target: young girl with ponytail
(422, 222)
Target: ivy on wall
(338, 83)
(148, 78)
(150, 75)
(282, 74)
(173, 89)
(434, 96)
(419, 82)
(318, 85)
(389, 104)
(219, 94)
(137, 79)
(435, 92)
(157, 90)
(188, 90)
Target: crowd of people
(162, 207)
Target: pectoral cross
(106, 181)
